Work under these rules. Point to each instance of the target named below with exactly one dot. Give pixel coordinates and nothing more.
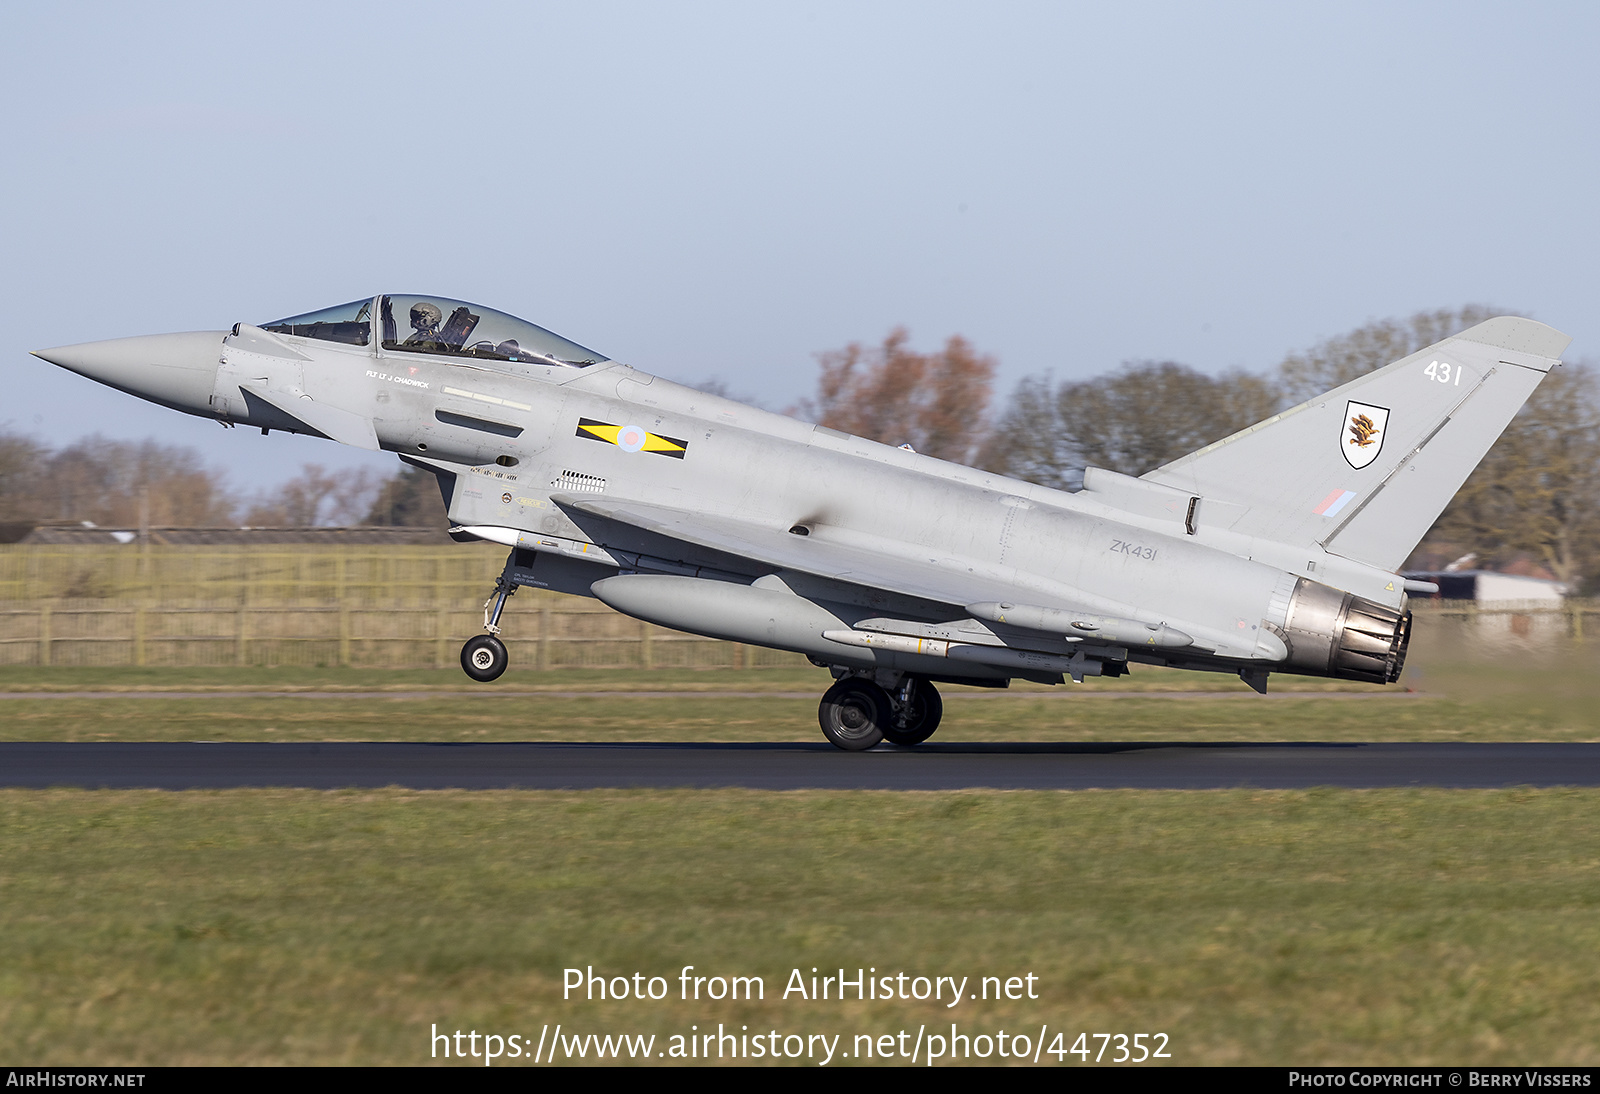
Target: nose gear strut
(484, 657)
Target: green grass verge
(1445, 696)
(60, 678)
(1339, 927)
(728, 719)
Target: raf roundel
(631, 438)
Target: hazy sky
(723, 190)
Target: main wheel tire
(484, 658)
(853, 714)
(914, 721)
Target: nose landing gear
(484, 657)
(856, 713)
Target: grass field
(1405, 926)
(284, 926)
(1446, 694)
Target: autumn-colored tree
(936, 402)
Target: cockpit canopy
(435, 324)
(348, 323)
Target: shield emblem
(1361, 437)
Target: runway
(933, 766)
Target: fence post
(240, 638)
(442, 631)
(44, 633)
(138, 634)
(344, 627)
(546, 620)
(646, 653)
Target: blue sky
(723, 190)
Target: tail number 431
(1443, 372)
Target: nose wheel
(484, 658)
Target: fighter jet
(1273, 550)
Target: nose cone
(175, 370)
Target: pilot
(425, 320)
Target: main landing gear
(857, 713)
(484, 656)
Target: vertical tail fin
(1366, 469)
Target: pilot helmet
(425, 316)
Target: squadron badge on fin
(1361, 438)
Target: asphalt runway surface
(931, 766)
(439, 693)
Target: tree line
(128, 484)
(1536, 496)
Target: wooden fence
(251, 575)
(392, 607)
(544, 630)
(412, 607)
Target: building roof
(1487, 586)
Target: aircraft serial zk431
(1273, 550)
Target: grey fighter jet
(1273, 550)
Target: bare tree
(1538, 490)
(104, 481)
(1132, 421)
(410, 499)
(21, 459)
(1339, 360)
(1028, 441)
(936, 402)
(316, 497)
